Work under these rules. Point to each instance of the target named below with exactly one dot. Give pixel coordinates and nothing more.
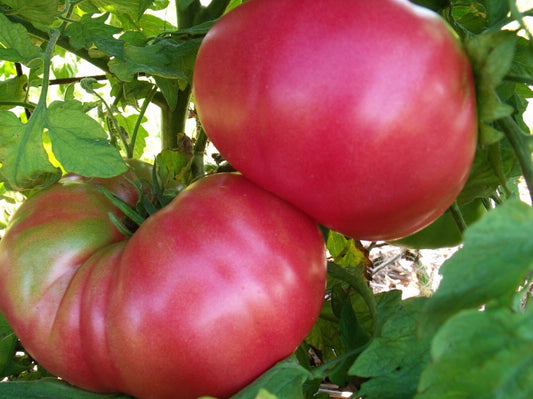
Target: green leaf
(432, 4)
(37, 11)
(8, 342)
(496, 257)
(233, 4)
(24, 160)
(395, 359)
(49, 388)
(484, 177)
(285, 380)
(496, 10)
(88, 30)
(344, 250)
(183, 4)
(174, 166)
(129, 123)
(523, 59)
(15, 43)
(489, 135)
(13, 90)
(482, 355)
(79, 143)
(491, 55)
(356, 279)
(169, 88)
(147, 26)
(133, 8)
(153, 26)
(470, 16)
(164, 58)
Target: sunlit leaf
(24, 160)
(164, 58)
(79, 143)
(13, 90)
(36, 11)
(15, 43)
(88, 30)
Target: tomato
(443, 232)
(361, 113)
(208, 293)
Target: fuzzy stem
(518, 141)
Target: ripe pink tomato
(206, 295)
(361, 113)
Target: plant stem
(173, 120)
(47, 61)
(198, 154)
(458, 217)
(131, 147)
(25, 105)
(519, 79)
(518, 142)
(518, 16)
(495, 158)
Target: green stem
(495, 158)
(519, 79)
(23, 104)
(112, 123)
(518, 16)
(505, 21)
(518, 142)
(215, 9)
(458, 217)
(131, 147)
(186, 16)
(198, 154)
(47, 61)
(173, 120)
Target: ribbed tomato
(207, 294)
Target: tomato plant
(374, 122)
(196, 296)
(361, 113)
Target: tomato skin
(360, 113)
(50, 236)
(443, 232)
(195, 303)
(253, 255)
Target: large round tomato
(361, 113)
(206, 295)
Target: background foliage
(141, 56)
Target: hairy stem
(518, 141)
(458, 217)
(198, 154)
(131, 147)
